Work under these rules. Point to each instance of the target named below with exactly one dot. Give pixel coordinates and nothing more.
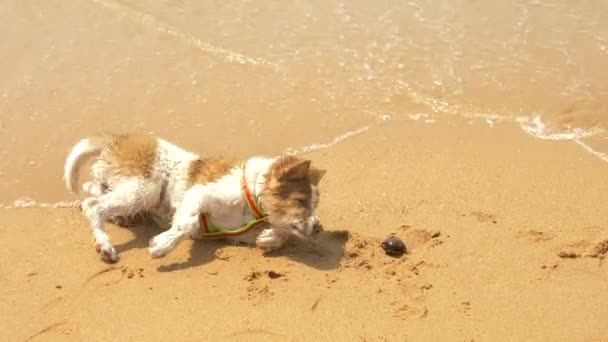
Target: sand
(485, 215)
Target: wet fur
(138, 174)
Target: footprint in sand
(260, 283)
(535, 235)
(599, 251)
(113, 275)
(401, 285)
(482, 217)
(407, 312)
(466, 308)
(422, 238)
(584, 248)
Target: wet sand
(475, 133)
(235, 78)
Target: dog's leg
(164, 243)
(185, 224)
(95, 189)
(272, 238)
(130, 196)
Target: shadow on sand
(323, 252)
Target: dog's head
(291, 196)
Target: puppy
(200, 197)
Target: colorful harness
(210, 231)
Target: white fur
(79, 154)
(221, 200)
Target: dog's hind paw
(108, 252)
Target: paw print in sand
(260, 284)
(113, 275)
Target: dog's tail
(81, 152)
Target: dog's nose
(317, 228)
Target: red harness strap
(252, 204)
(220, 232)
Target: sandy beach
(485, 225)
(476, 134)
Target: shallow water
(246, 77)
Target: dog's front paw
(270, 239)
(156, 248)
(107, 251)
(160, 246)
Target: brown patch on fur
(284, 166)
(132, 155)
(290, 167)
(288, 193)
(201, 171)
(315, 175)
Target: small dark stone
(58, 286)
(392, 245)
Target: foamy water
(26, 202)
(223, 77)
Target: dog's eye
(302, 202)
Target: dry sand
(485, 222)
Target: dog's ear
(295, 171)
(315, 175)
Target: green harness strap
(210, 231)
